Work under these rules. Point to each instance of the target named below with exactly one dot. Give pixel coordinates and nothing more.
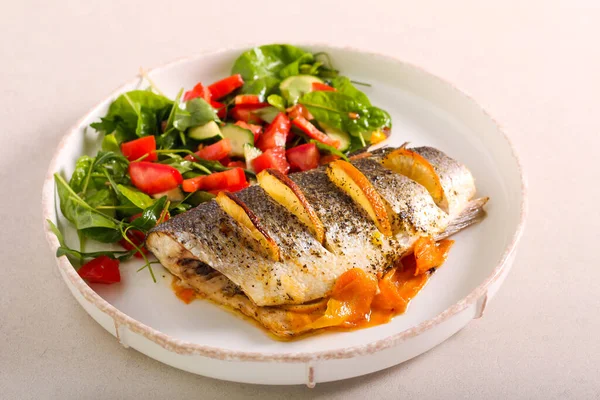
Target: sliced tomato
(220, 107)
(299, 111)
(271, 158)
(102, 269)
(236, 164)
(276, 134)
(245, 112)
(318, 86)
(314, 133)
(231, 189)
(225, 86)
(216, 180)
(214, 152)
(247, 99)
(225, 160)
(255, 129)
(304, 157)
(154, 178)
(137, 238)
(137, 148)
(198, 91)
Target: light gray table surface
(534, 65)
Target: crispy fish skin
(307, 269)
(412, 209)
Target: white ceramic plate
(207, 340)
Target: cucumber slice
(250, 153)
(335, 133)
(295, 86)
(238, 137)
(209, 130)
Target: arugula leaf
(91, 222)
(345, 113)
(197, 112)
(79, 256)
(139, 199)
(261, 66)
(343, 85)
(329, 149)
(135, 113)
(151, 215)
(276, 101)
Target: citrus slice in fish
(349, 179)
(285, 192)
(416, 167)
(237, 210)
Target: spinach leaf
(345, 113)
(134, 114)
(91, 222)
(343, 85)
(199, 197)
(260, 66)
(83, 169)
(151, 215)
(276, 101)
(293, 68)
(139, 199)
(103, 200)
(76, 256)
(267, 114)
(197, 112)
(109, 143)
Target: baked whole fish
(285, 241)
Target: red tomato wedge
(137, 148)
(304, 157)
(225, 86)
(101, 270)
(220, 107)
(231, 189)
(244, 112)
(276, 134)
(216, 181)
(198, 91)
(215, 151)
(247, 99)
(236, 164)
(271, 158)
(137, 238)
(299, 111)
(314, 133)
(318, 86)
(255, 129)
(154, 178)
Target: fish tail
(472, 214)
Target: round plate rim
(183, 347)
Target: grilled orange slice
(349, 179)
(417, 168)
(237, 210)
(285, 192)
